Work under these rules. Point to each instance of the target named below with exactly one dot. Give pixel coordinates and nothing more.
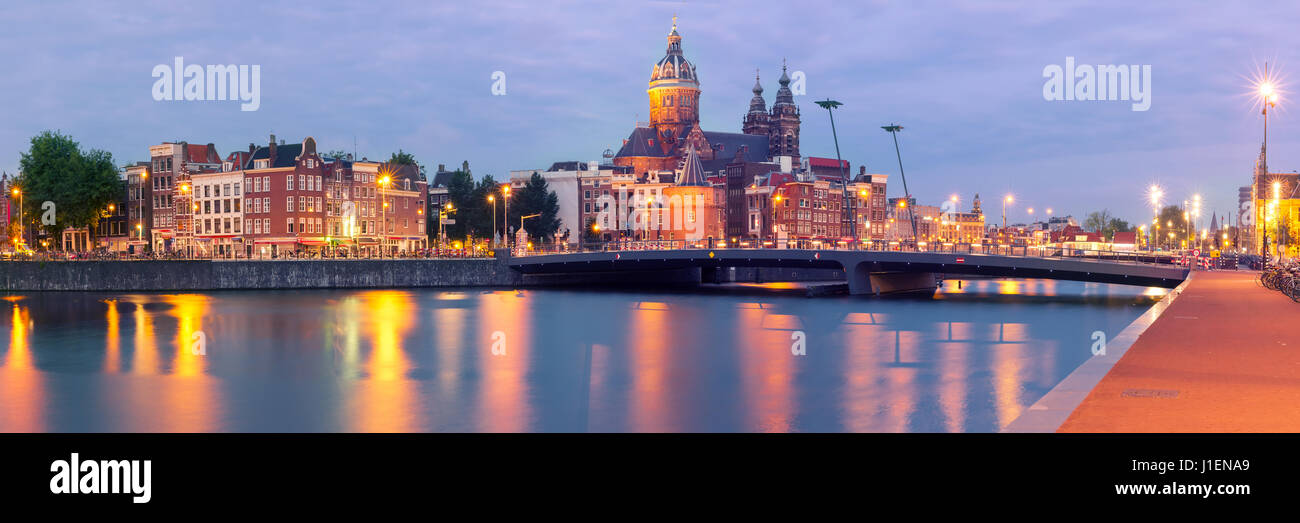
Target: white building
(218, 213)
(564, 179)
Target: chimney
(442, 167)
(862, 170)
(272, 150)
(251, 148)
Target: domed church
(674, 126)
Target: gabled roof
(285, 155)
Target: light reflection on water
(970, 358)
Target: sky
(964, 79)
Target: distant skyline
(965, 80)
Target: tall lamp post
(1154, 194)
(139, 226)
(383, 212)
(776, 202)
(1005, 201)
(1268, 95)
(830, 106)
(492, 198)
(22, 233)
(907, 195)
(505, 213)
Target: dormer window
(261, 164)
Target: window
(237, 200)
(288, 205)
(236, 188)
(288, 183)
(289, 224)
(261, 164)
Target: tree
(338, 154)
(537, 198)
(589, 233)
(460, 193)
(402, 158)
(80, 183)
(1171, 220)
(1097, 220)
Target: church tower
(783, 136)
(756, 119)
(674, 94)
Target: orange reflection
(1008, 367)
(768, 369)
(504, 324)
(22, 396)
(144, 357)
(188, 309)
(387, 399)
(648, 346)
(113, 341)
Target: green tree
(336, 154)
(460, 194)
(1172, 221)
(537, 198)
(589, 233)
(1117, 225)
(402, 158)
(80, 183)
(1097, 221)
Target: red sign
(961, 260)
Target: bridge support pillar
(863, 280)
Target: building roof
(815, 161)
(1125, 238)
(692, 173)
(285, 155)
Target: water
(718, 359)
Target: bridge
(873, 271)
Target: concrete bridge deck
(867, 271)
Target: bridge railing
(1034, 251)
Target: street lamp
(505, 212)
(383, 211)
(776, 201)
(1005, 201)
(1153, 194)
(893, 130)
(830, 105)
(493, 199)
(21, 231)
(1268, 97)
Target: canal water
(720, 358)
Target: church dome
(674, 66)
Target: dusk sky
(965, 79)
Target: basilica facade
(674, 126)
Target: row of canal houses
(271, 200)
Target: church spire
(783, 95)
(757, 104)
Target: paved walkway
(1224, 357)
